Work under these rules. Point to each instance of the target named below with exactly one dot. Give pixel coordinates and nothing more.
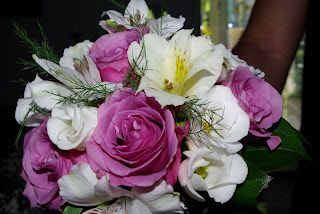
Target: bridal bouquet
(147, 119)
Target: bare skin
(272, 37)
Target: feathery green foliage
(42, 48)
(35, 109)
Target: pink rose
(109, 53)
(135, 141)
(259, 100)
(43, 164)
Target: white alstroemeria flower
(213, 170)
(228, 123)
(75, 66)
(82, 188)
(232, 62)
(138, 10)
(165, 26)
(70, 126)
(78, 51)
(78, 187)
(172, 71)
(42, 94)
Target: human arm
(272, 37)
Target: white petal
(65, 75)
(201, 46)
(204, 59)
(77, 188)
(135, 206)
(45, 93)
(231, 123)
(198, 157)
(223, 178)
(234, 61)
(92, 75)
(70, 126)
(165, 98)
(136, 57)
(201, 78)
(166, 26)
(156, 50)
(198, 183)
(182, 41)
(222, 193)
(76, 51)
(27, 91)
(171, 25)
(40, 93)
(23, 108)
(159, 198)
(137, 5)
(117, 17)
(238, 171)
(105, 190)
(115, 208)
(185, 182)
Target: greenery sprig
(35, 109)
(203, 120)
(42, 48)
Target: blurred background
(67, 22)
(225, 20)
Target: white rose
(213, 170)
(228, 123)
(70, 126)
(42, 94)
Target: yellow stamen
(181, 70)
(207, 127)
(201, 171)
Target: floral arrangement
(148, 119)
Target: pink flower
(135, 141)
(109, 53)
(43, 165)
(259, 100)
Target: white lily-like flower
(213, 170)
(78, 51)
(70, 126)
(41, 93)
(165, 26)
(136, 9)
(138, 13)
(172, 71)
(228, 123)
(75, 66)
(82, 188)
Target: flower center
(207, 127)
(182, 69)
(202, 171)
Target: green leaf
(261, 161)
(262, 207)
(246, 193)
(288, 152)
(72, 210)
